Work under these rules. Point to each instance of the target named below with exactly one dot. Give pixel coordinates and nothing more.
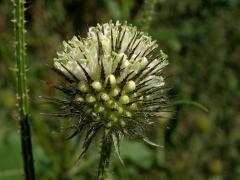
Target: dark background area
(202, 40)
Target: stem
(146, 14)
(106, 149)
(22, 91)
(27, 149)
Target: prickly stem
(22, 91)
(106, 149)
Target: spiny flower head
(114, 81)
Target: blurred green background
(202, 39)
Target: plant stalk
(146, 15)
(22, 91)
(106, 149)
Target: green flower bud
(99, 108)
(120, 109)
(109, 124)
(97, 85)
(130, 86)
(114, 92)
(90, 98)
(83, 87)
(124, 99)
(111, 78)
(123, 123)
(110, 103)
(128, 114)
(79, 99)
(113, 118)
(133, 106)
(104, 96)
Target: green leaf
(189, 102)
(137, 153)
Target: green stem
(22, 91)
(106, 149)
(146, 15)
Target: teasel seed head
(113, 81)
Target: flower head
(114, 81)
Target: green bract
(114, 81)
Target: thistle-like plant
(113, 85)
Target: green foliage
(202, 41)
(206, 36)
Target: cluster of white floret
(114, 77)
